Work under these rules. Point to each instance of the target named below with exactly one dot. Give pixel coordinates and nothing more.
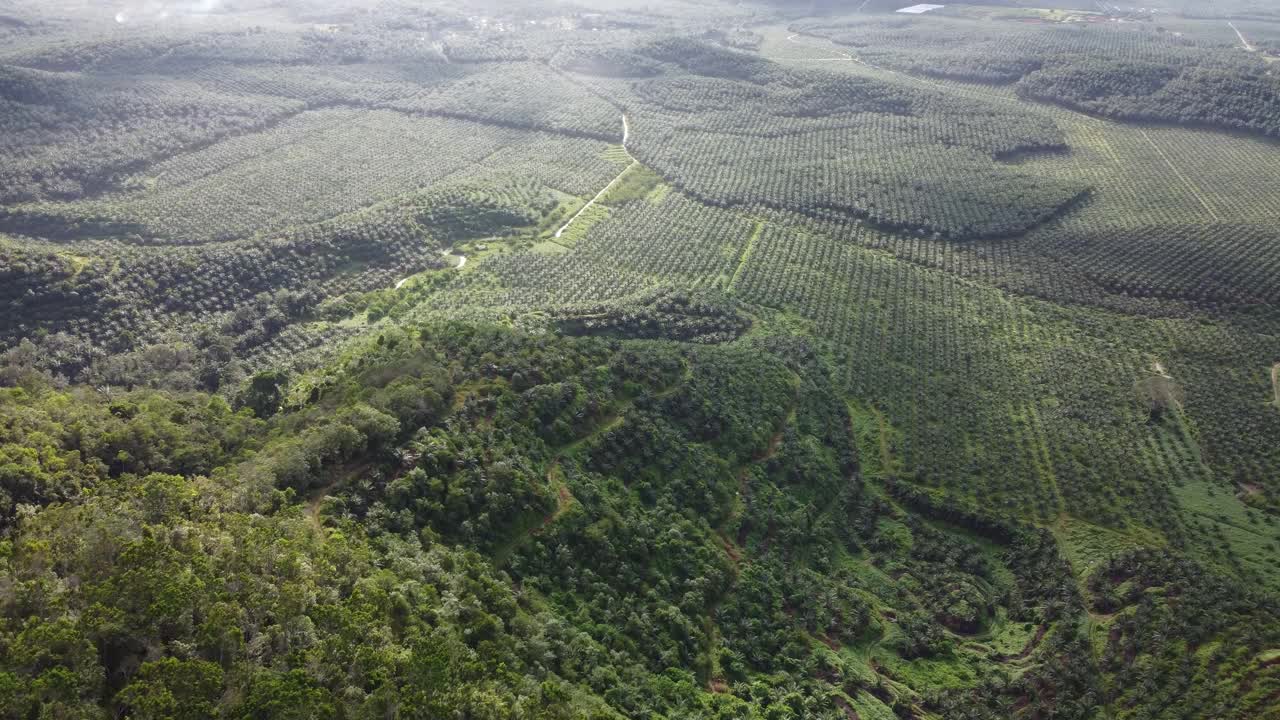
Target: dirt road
(462, 260)
(626, 134)
(1240, 35)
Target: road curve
(462, 260)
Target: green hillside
(654, 360)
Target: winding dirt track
(462, 260)
(626, 133)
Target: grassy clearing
(1009, 638)
(630, 184)
(880, 587)
(637, 182)
(746, 254)
(549, 247)
(875, 440)
(77, 262)
(1235, 530)
(617, 154)
(658, 194)
(1086, 544)
(869, 707)
(940, 673)
(565, 207)
(582, 225)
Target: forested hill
(505, 361)
(471, 519)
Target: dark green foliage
(608, 62)
(1092, 84)
(746, 131)
(265, 393)
(861, 391)
(656, 506)
(111, 298)
(700, 317)
(1219, 266)
(47, 290)
(60, 111)
(707, 60)
(1228, 97)
(503, 94)
(57, 444)
(1182, 641)
(456, 214)
(1129, 71)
